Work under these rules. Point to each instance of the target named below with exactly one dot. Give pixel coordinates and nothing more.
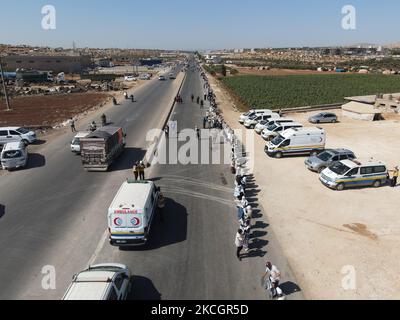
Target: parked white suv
(16, 134)
(109, 281)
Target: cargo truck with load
(100, 148)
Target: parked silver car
(325, 159)
(323, 117)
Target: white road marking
(99, 247)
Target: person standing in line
(239, 242)
(72, 124)
(136, 170)
(141, 170)
(246, 227)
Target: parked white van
(251, 113)
(297, 141)
(352, 173)
(14, 156)
(76, 141)
(132, 212)
(264, 124)
(275, 129)
(254, 120)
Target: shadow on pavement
(173, 228)
(143, 289)
(260, 225)
(39, 142)
(127, 159)
(35, 160)
(257, 234)
(289, 288)
(2, 210)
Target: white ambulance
(132, 212)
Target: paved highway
(56, 215)
(54, 211)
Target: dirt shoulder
(326, 235)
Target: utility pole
(4, 86)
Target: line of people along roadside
(214, 120)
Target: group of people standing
(213, 119)
(138, 170)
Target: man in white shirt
(274, 274)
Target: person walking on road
(197, 132)
(161, 206)
(136, 170)
(166, 130)
(141, 170)
(72, 124)
(192, 97)
(198, 100)
(239, 242)
(204, 122)
(274, 275)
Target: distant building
(57, 64)
(150, 61)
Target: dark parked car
(323, 117)
(327, 158)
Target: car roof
(356, 163)
(132, 195)
(87, 291)
(10, 128)
(12, 146)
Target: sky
(199, 25)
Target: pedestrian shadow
(2, 210)
(252, 192)
(172, 230)
(258, 244)
(143, 289)
(258, 234)
(252, 200)
(35, 160)
(256, 213)
(127, 159)
(260, 225)
(289, 287)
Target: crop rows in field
(307, 90)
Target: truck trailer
(100, 148)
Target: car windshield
(12, 154)
(339, 168)
(277, 140)
(252, 117)
(272, 127)
(22, 130)
(324, 156)
(76, 141)
(263, 122)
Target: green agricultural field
(307, 90)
